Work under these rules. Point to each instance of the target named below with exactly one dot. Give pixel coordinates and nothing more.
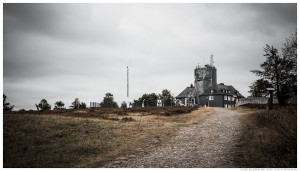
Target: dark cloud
(63, 51)
(280, 14)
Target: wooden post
(270, 101)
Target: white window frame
(210, 97)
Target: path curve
(206, 145)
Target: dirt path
(209, 144)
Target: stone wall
(255, 100)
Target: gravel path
(209, 144)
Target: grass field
(268, 138)
(88, 137)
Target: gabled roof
(221, 89)
(185, 92)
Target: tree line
(108, 102)
(278, 71)
(152, 99)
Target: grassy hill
(88, 137)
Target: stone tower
(205, 77)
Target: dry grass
(58, 140)
(268, 138)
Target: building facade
(220, 96)
(207, 92)
(186, 97)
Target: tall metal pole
(211, 71)
(127, 81)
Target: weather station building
(206, 91)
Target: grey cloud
(63, 51)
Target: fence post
(270, 101)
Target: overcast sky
(68, 51)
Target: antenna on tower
(211, 60)
(127, 81)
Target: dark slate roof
(221, 88)
(185, 92)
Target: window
(225, 97)
(232, 98)
(211, 91)
(229, 98)
(211, 98)
(226, 105)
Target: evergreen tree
(167, 98)
(43, 105)
(59, 105)
(108, 101)
(281, 70)
(259, 88)
(82, 105)
(75, 104)
(6, 106)
(136, 103)
(149, 99)
(124, 104)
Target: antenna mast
(127, 81)
(211, 60)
